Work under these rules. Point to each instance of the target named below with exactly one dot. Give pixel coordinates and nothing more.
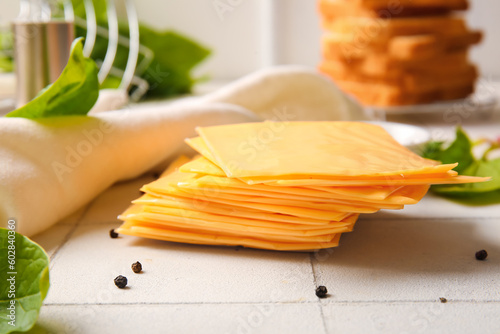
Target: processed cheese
(312, 149)
(282, 186)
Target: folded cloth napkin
(295, 92)
(51, 167)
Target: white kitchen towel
(51, 167)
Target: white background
(250, 34)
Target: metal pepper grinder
(41, 48)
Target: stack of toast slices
(405, 52)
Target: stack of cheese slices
(388, 52)
(282, 185)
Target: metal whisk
(42, 43)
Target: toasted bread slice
(415, 47)
(387, 95)
(333, 9)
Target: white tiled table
(386, 277)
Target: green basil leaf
(481, 168)
(73, 93)
(433, 150)
(24, 281)
(459, 151)
(6, 60)
(6, 64)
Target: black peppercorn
(481, 255)
(443, 300)
(113, 234)
(321, 291)
(121, 281)
(136, 267)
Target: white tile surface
(51, 239)
(386, 277)
(174, 273)
(414, 260)
(107, 206)
(197, 318)
(432, 317)
(432, 207)
(75, 217)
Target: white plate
(484, 99)
(411, 136)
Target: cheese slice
(214, 226)
(368, 193)
(443, 179)
(167, 186)
(274, 208)
(198, 144)
(203, 166)
(159, 204)
(406, 195)
(312, 149)
(223, 240)
(320, 204)
(287, 186)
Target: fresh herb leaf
(6, 60)
(73, 93)
(6, 64)
(461, 151)
(175, 55)
(21, 302)
(477, 168)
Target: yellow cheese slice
(407, 195)
(173, 218)
(377, 187)
(158, 204)
(320, 204)
(296, 186)
(388, 179)
(223, 240)
(407, 181)
(198, 144)
(311, 148)
(166, 186)
(281, 209)
(203, 166)
(365, 193)
(214, 226)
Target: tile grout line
(458, 301)
(318, 302)
(70, 233)
(427, 218)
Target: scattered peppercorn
(321, 291)
(156, 175)
(113, 234)
(443, 300)
(481, 255)
(121, 281)
(136, 267)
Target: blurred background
(245, 35)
